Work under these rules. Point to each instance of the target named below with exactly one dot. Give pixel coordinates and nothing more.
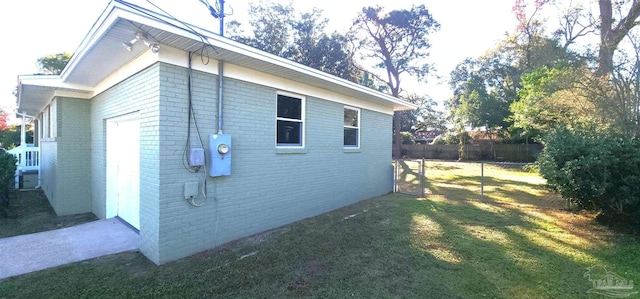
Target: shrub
(407, 138)
(595, 171)
(451, 137)
(7, 177)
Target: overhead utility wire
(204, 50)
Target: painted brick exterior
(74, 173)
(267, 189)
(140, 94)
(48, 172)
(66, 163)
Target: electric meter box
(220, 154)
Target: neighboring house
(426, 137)
(283, 143)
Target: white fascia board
(114, 12)
(49, 87)
(53, 82)
(95, 33)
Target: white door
(123, 168)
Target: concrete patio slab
(34, 252)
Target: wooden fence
(474, 152)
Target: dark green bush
(7, 173)
(596, 171)
(7, 179)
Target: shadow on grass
(449, 245)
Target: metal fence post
(422, 178)
(482, 179)
(395, 176)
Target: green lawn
(515, 242)
(29, 212)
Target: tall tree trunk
(397, 137)
(394, 85)
(611, 35)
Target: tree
(617, 96)
(10, 137)
(3, 120)
(615, 21)
(425, 118)
(576, 21)
(478, 107)
(612, 33)
(429, 119)
(313, 47)
(484, 88)
(276, 29)
(398, 43)
(53, 64)
(551, 98)
(271, 25)
(487, 90)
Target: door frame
(112, 199)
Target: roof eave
(117, 10)
(35, 92)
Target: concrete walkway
(34, 252)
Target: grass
(29, 212)
(515, 242)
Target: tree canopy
(277, 29)
(53, 64)
(397, 42)
(538, 78)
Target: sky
(36, 28)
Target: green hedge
(596, 171)
(7, 179)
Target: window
(351, 127)
(49, 121)
(53, 119)
(45, 123)
(290, 121)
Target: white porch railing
(28, 157)
(28, 160)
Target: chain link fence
(409, 177)
(420, 178)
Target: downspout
(220, 71)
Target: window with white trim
(290, 121)
(53, 119)
(351, 127)
(49, 121)
(46, 128)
